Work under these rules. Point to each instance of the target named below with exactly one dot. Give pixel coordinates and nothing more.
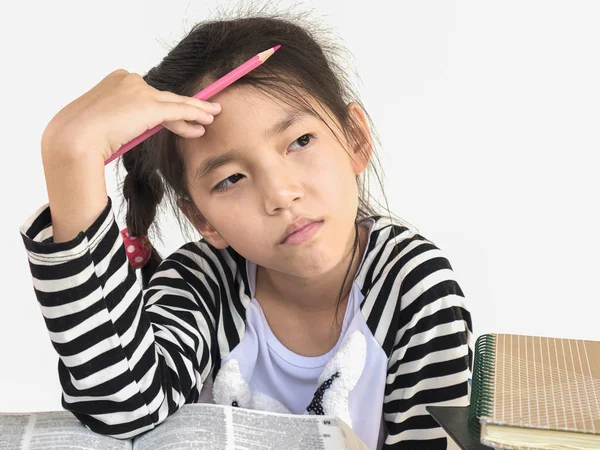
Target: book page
(194, 426)
(351, 439)
(262, 431)
(52, 430)
(201, 426)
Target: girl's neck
(315, 295)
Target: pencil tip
(276, 47)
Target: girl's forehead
(249, 116)
(247, 110)
(243, 100)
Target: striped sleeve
(127, 358)
(418, 315)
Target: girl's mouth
(303, 234)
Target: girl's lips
(303, 234)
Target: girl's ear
(361, 141)
(212, 236)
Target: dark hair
(302, 67)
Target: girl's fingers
(185, 116)
(185, 129)
(165, 96)
(174, 112)
(185, 119)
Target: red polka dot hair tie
(138, 249)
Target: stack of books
(529, 392)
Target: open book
(198, 426)
(536, 392)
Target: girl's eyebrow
(280, 126)
(285, 123)
(211, 164)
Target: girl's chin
(310, 266)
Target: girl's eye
(304, 140)
(228, 182)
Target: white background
(488, 114)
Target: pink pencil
(204, 94)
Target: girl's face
(262, 167)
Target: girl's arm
(123, 367)
(127, 359)
(429, 344)
(90, 129)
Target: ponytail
(143, 191)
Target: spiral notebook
(535, 392)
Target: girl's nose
(280, 190)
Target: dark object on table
(454, 420)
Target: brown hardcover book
(536, 392)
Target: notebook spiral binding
(482, 384)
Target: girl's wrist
(70, 154)
(76, 186)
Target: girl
(298, 298)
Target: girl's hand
(118, 109)
(87, 131)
